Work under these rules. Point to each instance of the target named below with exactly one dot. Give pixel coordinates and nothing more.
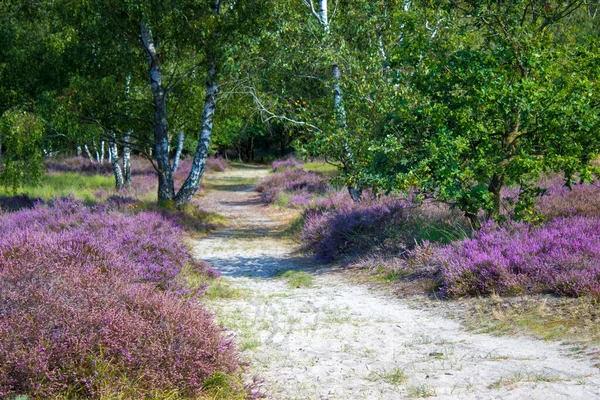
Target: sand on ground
(343, 340)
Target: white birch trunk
(127, 159)
(166, 186)
(87, 151)
(338, 96)
(192, 183)
(178, 151)
(101, 161)
(114, 159)
(96, 151)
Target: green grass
(321, 167)
(395, 376)
(219, 288)
(420, 391)
(296, 279)
(65, 184)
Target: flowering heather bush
(561, 257)
(80, 165)
(15, 203)
(560, 201)
(292, 182)
(335, 231)
(288, 163)
(80, 310)
(150, 248)
(218, 164)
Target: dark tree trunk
(495, 188)
(473, 220)
(166, 187)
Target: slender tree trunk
(114, 159)
(338, 96)
(78, 151)
(87, 151)
(96, 151)
(101, 161)
(192, 183)
(166, 186)
(178, 151)
(127, 159)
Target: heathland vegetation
(457, 147)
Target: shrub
(80, 312)
(18, 202)
(78, 164)
(561, 257)
(288, 163)
(333, 231)
(293, 182)
(218, 164)
(560, 201)
(150, 248)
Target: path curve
(341, 340)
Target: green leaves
(21, 134)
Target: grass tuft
(297, 279)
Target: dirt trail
(339, 340)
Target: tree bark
(87, 151)
(166, 187)
(101, 160)
(127, 159)
(96, 151)
(178, 151)
(114, 159)
(192, 183)
(338, 96)
(495, 188)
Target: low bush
(561, 201)
(387, 227)
(288, 163)
(218, 164)
(78, 164)
(300, 184)
(18, 202)
(84, 311)
(560, 257)
(335, 231)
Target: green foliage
(21, 134)
(65, 184)
(297, 279)
(501, 93)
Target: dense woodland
(455, 99)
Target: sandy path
(339, 340)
